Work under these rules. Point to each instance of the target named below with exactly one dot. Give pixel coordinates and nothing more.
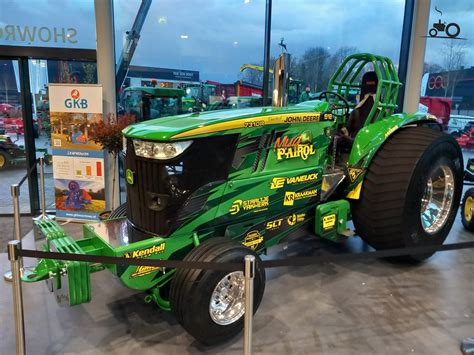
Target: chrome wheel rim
(228, 299)
(437, 199)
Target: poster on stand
(78, 162)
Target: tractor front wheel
(210, 304)
(411, 191)
(467, 210)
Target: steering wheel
(340, 111)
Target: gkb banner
(78, 162)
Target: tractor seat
(360, 113)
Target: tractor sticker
(144, 270)
(354, 173)
(279, 182)
(329, 221)
(274, 225)
(299, 146)
(253, 239)
(291, 197)
(254, 124)
(144, 253)
(130, 176)
(257, 204)
(295, 218)
(303, 118)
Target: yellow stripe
(355, 193)
(287, 118)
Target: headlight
(157, 150)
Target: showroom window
(447, 87)
(320, 34)
(46, 27)
(48, 23)
(198, 46)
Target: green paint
(272, 190)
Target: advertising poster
(78, 162)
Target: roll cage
(347, 78)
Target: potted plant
(108, 133)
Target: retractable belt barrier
(28, 173)
(292, 261)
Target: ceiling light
(184, 36)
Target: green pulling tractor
(216, 186)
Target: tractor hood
(203, 124)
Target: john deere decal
(279, 182)
(253, 239)
(257, 204)
(296, 147)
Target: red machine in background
(438, 106)
(239, 88)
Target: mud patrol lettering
(144, 253)
(296, 147)
(257, 204)
(279, 182)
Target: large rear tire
(209, 304)
(411, 191)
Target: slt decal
(299, 146)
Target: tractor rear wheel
(411, 191)
(467, 210)
(210, 304)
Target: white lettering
(41, 33)
(71, 34)
(27, 35)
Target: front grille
(161, 188)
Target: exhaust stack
(281, 80)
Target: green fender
(370, 139)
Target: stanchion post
(43, 196)
(249, 273)
(15, 260)
(15, 191)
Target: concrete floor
(364, 307)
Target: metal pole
(43, 197)
(266, 51)
(15, 192)
(13, 247)
(249, 278)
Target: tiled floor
(363, 307)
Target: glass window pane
(48, 23)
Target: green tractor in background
(146, 103)
(216, 186)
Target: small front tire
(209, 304)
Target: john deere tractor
(216, 186)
